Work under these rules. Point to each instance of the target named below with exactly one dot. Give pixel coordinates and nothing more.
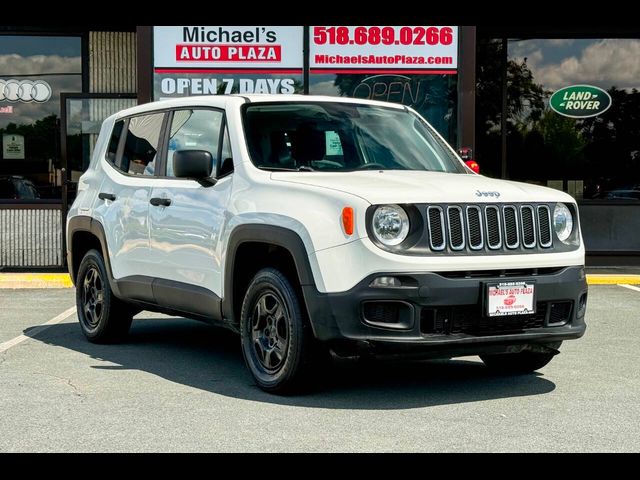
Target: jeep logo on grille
(487, 194)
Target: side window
(141, 144)
(115, 141)
(194, 130)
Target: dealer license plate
(510, 298)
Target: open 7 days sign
(580, 101)
(205, 60)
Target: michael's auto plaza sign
(206, 60)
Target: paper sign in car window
(333, 143)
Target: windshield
(338, 137)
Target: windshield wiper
(302, 168)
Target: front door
(185, 225)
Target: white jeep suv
(315, 224)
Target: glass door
(81, 118)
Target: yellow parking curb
(62, 280)
(601, 279)
(35, 280)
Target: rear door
(185, 227)
(123, 203)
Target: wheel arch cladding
(86, 233)
(253, 247)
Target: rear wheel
(103, 317)
(277, 341)
(523, 362)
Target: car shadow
(207, 358)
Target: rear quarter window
(116, 134)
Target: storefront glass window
(34, 70)
(433, 96)
(586, 139)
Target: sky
(558, 63)
(40, 45)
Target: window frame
(161, 150)
(162, 171)
(163, 141)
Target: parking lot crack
(76, 390)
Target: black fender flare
(280, 236)
(83, 223)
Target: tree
(525, 102)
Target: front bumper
(441, 314)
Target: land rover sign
(580, 101)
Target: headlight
(562, 222)
(390, 224)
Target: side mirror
(194, 164)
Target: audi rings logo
(25, 91)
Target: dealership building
(554, 106)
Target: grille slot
(544, 226)
(528, 226)
(512, 239)
(492, 222)
(435, 221)
(474, 228)
(456, 228)
(470, 320)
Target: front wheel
(523, 362)
(277, 340)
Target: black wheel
(515, 363)
(277, 341)
(103, 317)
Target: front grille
(469, 319)
(488, 228)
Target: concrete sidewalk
(62, 280)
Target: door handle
(160, 202)
(106, 196)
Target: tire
(103, 317)
(519, 363)
(278, 345)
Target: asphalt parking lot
(178, 385)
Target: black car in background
(14, 187)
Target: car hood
(393, 186)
